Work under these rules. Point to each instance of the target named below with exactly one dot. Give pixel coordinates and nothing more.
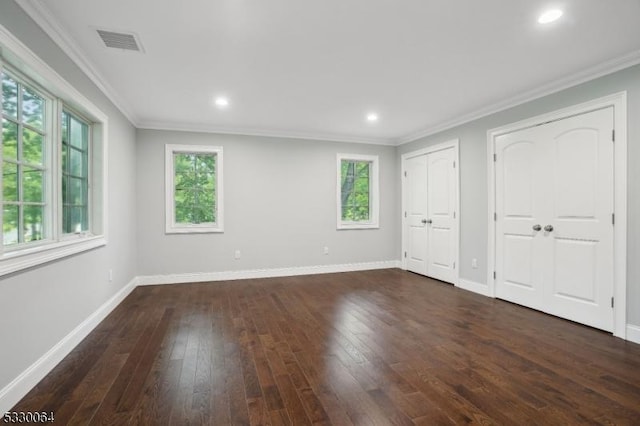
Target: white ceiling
(306, 68)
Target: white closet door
(442, 238)
(431, 228)
(416, 209)
(580, 247)
(559, 176)
(520, 214)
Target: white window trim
(374, 192)
(22, 59)
(92, 164)
(171, 227)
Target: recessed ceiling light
(222, 102)
(372, 117)
(549, 16)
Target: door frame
(619, 103)
(451, 144)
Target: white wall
(279, 207)
(40, 306)
(473, 172)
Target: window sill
(343, 226)
(19, 260)
(194, 230)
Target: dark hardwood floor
(375, 347)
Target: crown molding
(44, 18)
(207, 128)
(555, 86)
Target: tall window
(194, 189)
(75, 174)
(24, 168)
(357, 192)
(52, 163)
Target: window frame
(374, 192)
(47, 133)
(171, 227)
(90, 194)
(22, 63)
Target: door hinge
(495, 216)
(494, 275)
(454, 215)
(454, 265)
(613, 135)
(612, 303)
(405, 174)
(613, 218)
(495, 157)
(405, 214)
(405, 254)
(454, 164)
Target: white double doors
(430, 202)
(554, 210)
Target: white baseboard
(264, 273)
(633, 333)
(473, 286)
(11, 394)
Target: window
(24, 166)
(357, 191)
(53, 163)
(194, 189)
(75, 174)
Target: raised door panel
(518, 262)
(575, 270)
(439, 193)
(517, 180)
(576, 158)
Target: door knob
(548, 228)
(427, 221)
(537, 228)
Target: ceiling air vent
(118, 40)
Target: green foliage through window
(195, 188)
(23, 165)
(75, 174)
(355, 184)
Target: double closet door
(431, 234)
(554, 217)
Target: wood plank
(366, 348)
